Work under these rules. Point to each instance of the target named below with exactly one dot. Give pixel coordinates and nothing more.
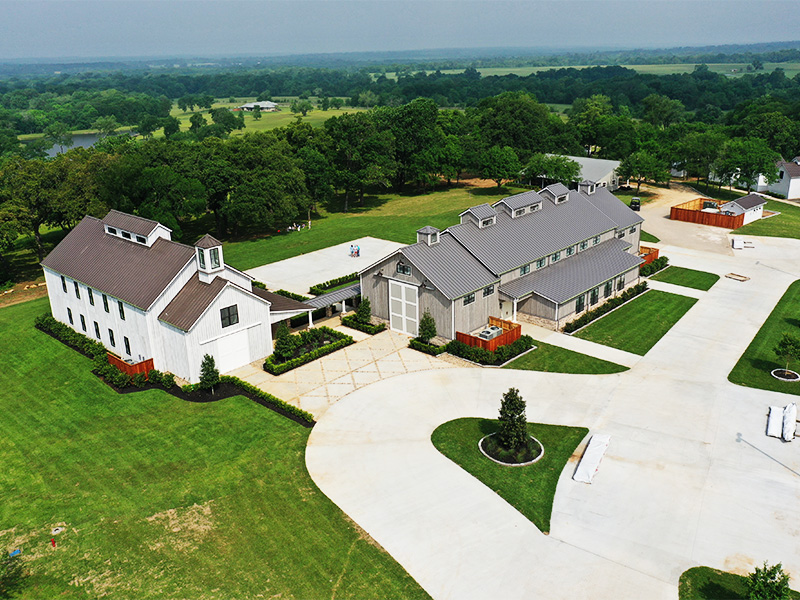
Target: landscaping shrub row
(353, 322)
(421, 346)
(292, 295)
(485, 357)
(606, 307)
(123, 383)
(321, 288)
(275, 363)
(654, 267)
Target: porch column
(310, 320)
(514, 318)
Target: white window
(541, 262)
(519, 212)
(487, 222)
(214, 253)
(201, 257)
(403, 269)
(556, 257)
(525, 269)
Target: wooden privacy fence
(648, 254)
(511, 333)
(131, 369)
(692, 212)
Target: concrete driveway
(301, 272)
(689, 478)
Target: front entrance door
(403, 307)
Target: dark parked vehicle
(636, 204)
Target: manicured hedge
(353, 323)
(292, 295)
(321, 288)
(654, 267)
(252, 390)
(606, 307)
(485, 357)
(416, 344)
(64, 333)
(276, 368)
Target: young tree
(364, 311)
(427, 328)
(209, 375)
(788, 349)
(513, 425)
(257, 112)
(499, 163)
(284, 342)
(768, 583)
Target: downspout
(453, 319)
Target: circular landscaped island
(785, 375)
(525, 454)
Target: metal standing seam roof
(613, 208)
(750, 201)
(481, 211)
(427, 230)
(449, 267)
(520, 200)
(191, 302)
(594, 169)
(557, 189)
(132, 223)
(336, 296)
(575, 275)
(511, 243)
(207, 241)
(125, 270)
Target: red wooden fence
(691, 212)
(131, 369)
(511, 333)
(648, 254)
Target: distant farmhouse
(122, 281)
(540, 257)
(264, 105)
(788, 183)
(599, 170)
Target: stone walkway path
(319, 384)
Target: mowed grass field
(691, 278)
(161, 498)
(637, 326)
(554, 359)
(786, 224)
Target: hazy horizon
(80, 29)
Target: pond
(79, 140)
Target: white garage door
(403, 307)
(233, 351)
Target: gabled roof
(480, 212)
(207, 241)
(613, 208)
(125, 270)
(791, 168)
(512, 243)
(191, 302)
(520, 200)
(427, 230)
(750, 201)
(132, 223)
(557, 189)
(577, 274)
(594, 169)
(449, 267)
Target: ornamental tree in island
(513, 431)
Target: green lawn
(163, 498)
(754, 366)
(699, 280)
(786, 224)
(637, 326)
(389, 216)
(647, 237)
(705, 583)
(554, 359)
(529, 489)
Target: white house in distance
(601, 171)
(264, 105)
(124, 282)
(788, 182)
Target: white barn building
(124, 282)
(751, 206)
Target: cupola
(428, 235)
(209, 257)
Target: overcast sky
(116, 28)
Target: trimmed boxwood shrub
(421, 346)
(292, 295)
(654, 267)
(606, 307)
(64, 333)
(321, 288)
(251, 390)
(352, 322)
(485, 357)
(310, 338)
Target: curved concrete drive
(689, 478)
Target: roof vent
(428, 235)
(587, 187)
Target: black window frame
(596, 240)
(488, 290)
(584, 244)
(487, 222)
(556, 257)
(621, 235)
(105, 303)
(525, 269)
(111, 338)
(229, 315)
(126, 235)
(633, 229)
(64, 284)
(403, 269)
(127, 345)
(112, 231)
(519, 212)
(91, 295)
(83, 323)
(69, 316)
(608, 289)
(542, 262)
(77, 290)
(141, 239)
(570, 251)
(594, 296)
(121, 308)
(580, 303)
(97, 330)
(620, 282)
(469, 299)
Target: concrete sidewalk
(556, 338)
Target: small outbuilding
(751, 206)
(264, 106)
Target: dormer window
(112, 231)
(487, 222)
(536, 207)
(561, 199)
(434, 238)
(519, 212)
(201, 258)
(403, 269)
(126, 235)
(141, 239)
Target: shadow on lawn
(714, 591)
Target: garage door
(233, 351)
(403, 307)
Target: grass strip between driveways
(554, 359)
(637, 326)
(529, 489)
(754, 366)
(648, 237)
(705, 583)
(698, 280)
(162, 498)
